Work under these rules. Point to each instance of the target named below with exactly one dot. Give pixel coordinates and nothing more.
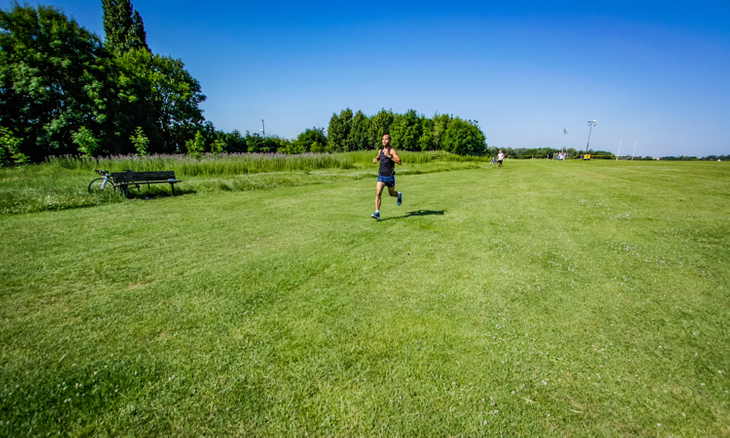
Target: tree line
(350, 131)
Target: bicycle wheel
(95, 185)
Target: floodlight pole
(565, 131)
(619, 149)
(633, 153)
(263, 129)
(590, 126)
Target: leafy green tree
(171, 96)
(359, 138)
(316, 147)
(235, 142)
(339, 131)
(290, 147)
(86, 142)
(406, 131)
(309, 137)
(426, 142)
(138, 36)
(10, 150)
(218, 146)
(176, 95)
(7, 141)
(272, 144)
(140, 142)
(464, 138)
(196, 146)
(123, 27)
(441, 123)
(258, 144)
(152, 91)
(380, 124)
(127, 105)
(52, 80)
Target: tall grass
(244, 163)
(222, 164)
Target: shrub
(464, 138)
(195, 146)
(218, 146)
(140, 141)
(85, 140)
(9, 149)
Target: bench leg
(173, 188)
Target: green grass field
(545, 298)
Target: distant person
(388, 158)
(500, 158)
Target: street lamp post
(565, 131)
(263, 129)
(590, 126)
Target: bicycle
(106, 178)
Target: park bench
(126, 180)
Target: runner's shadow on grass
(417, 213)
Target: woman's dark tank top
(387, 166)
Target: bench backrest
(121, 177)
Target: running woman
(388, 158)
(500, 158)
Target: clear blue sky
(655, 72)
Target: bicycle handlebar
(102, 172)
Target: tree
(170, 96)
(406, 131)
(123, 27)
(9, 149)
(339, 131)
(196, 145)
(52, 80)
(440, 125)
(137, 35)
(218, 146)
(464, 138)
(255, 143)
(140, 142)
(380, 125)
(130, 105)
(153, 91)
(86, 141)
(426, 142)
(311, 136)
(235, 142)
(359, 138)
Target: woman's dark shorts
(388, 180)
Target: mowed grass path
(543, 298)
